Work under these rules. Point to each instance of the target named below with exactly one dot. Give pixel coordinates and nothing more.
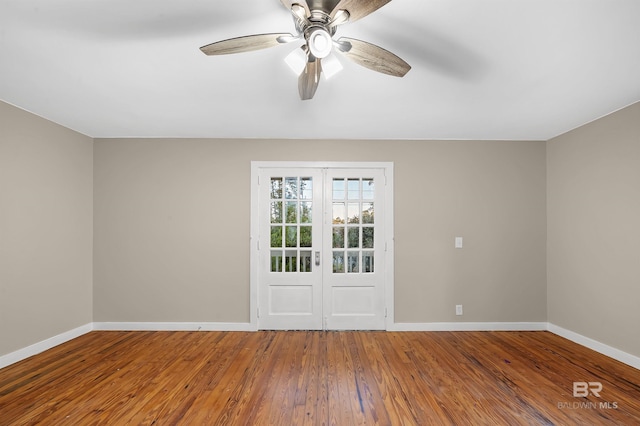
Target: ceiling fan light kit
(320, 43)
(296, 60)
(317, 25)
(331, 66)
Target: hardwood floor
(341, 378)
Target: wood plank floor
(315, 378)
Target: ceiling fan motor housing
(318, 33)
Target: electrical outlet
(458, 309)
(458, 242)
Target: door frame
(254, 237)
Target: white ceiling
(481, 69)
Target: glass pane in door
(291, 218)
(357, 213)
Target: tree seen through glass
(291, 218)
(353, 205)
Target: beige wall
(170, 221)
(172, 226)
(594, 230)
(46, 213)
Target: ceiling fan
(316, 22)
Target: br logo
(581, 389)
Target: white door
(290, 243)
(353, 272)
(321, 248)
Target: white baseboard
(44, 345)
(469, 326)
(36, 348)
(607, 350)
(173, 326)
(19, 355)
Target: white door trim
(256, 166)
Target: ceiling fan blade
(247, 43)
(373, 57)
(309, 79)
(289, 3)
(358, 8)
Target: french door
(321, 247)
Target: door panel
(290, 283)
(354, 280)
(287, 300)
(321, 255)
